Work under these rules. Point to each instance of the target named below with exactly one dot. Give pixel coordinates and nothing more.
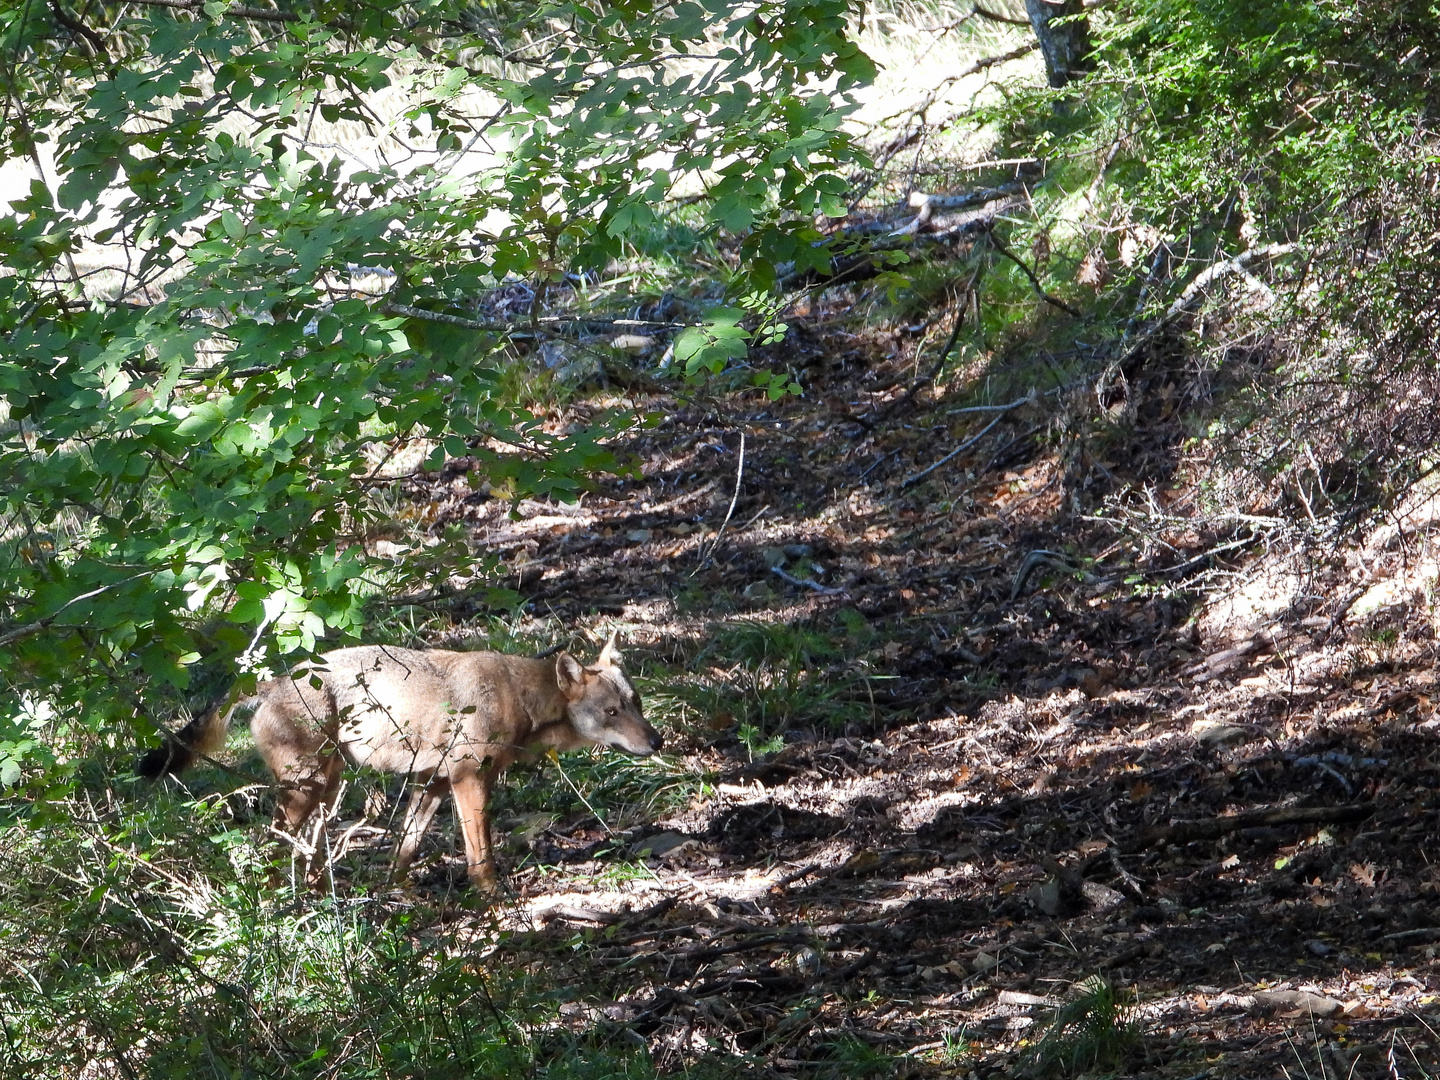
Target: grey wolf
(452, 721)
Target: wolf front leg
(472, 792)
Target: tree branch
(18, 632)
(75, 26)
(1229, 266)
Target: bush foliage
(200, 393)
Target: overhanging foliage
(200, 396)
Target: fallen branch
(966, 445)
(1420, 935)
(854, 966)
(705, 953)
(861, 264)
(1186, 300)
(926, 206)
(411, 312)
(795, 875)
(573, 913)
(1188, 832)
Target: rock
(1218, 733)
(1060, 893)
(954, 969)
(662, 844)
(984, 962)
(1295, 1003)
(634, 343)
(806, 961)
(1101, 897)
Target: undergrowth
(137, 947)
(1094, 1029)
(769, 678)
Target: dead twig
(995, 16)
(18, 632)
(935, 369)
(705, 953)
(806, 583)
(1034, 281)
(734, 498)
(1130, 881)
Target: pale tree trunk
(1066, 45)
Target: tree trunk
(1066, 45)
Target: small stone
(807, 962)
(984, 962)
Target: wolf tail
(205, 734)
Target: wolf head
(602, 705)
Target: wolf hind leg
(307, 767)
(425, 798)
(303, 810)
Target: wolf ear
(609, 655)
(568, 672)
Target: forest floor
(991, 740)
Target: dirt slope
(1052, 763)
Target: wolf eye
(611, 711)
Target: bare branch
(18, 632)
(995, 16)
(235, 11)
(917, 477)
(1229, 266)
